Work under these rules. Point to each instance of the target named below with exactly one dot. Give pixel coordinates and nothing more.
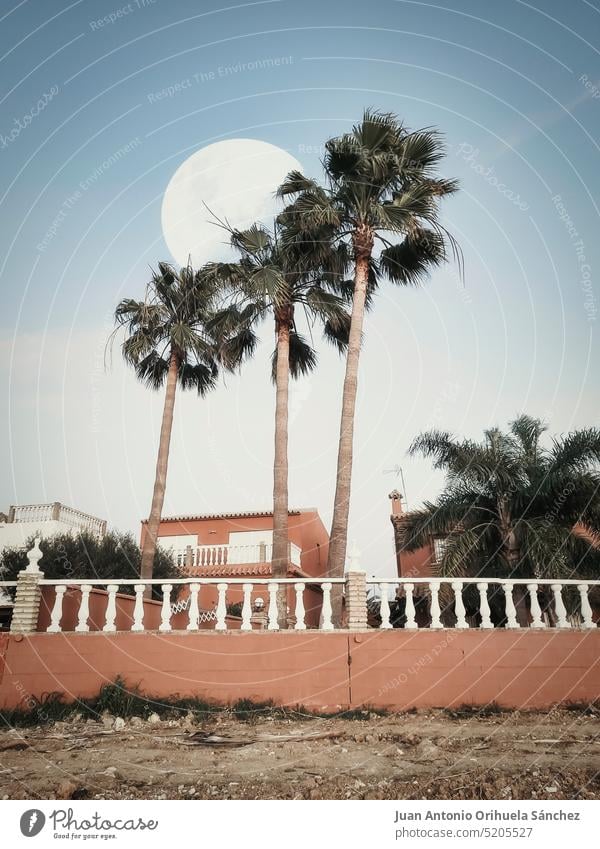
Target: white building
(45, 520)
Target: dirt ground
(428, 754)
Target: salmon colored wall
(397, 670)
(415, 564)
(305, 530)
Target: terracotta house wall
(397, 670)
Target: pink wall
(397, 670)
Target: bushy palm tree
(381, 189)
(512, 506)
(168, 344)
(280, 278)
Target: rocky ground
(427, 754)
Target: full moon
(236, 179)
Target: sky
(102, 102)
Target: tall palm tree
(381, 189)
(168, 344)
(511, 506)
(277, 278)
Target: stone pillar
(28, 596)
(356, 601)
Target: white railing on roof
(486, 603)
(34, 513)
(199, 556)
(252, 615)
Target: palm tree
(512, 507)
(281, 278)
(381, 188)
(168, 344)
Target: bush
(85, 556)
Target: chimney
(396, 499)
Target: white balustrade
(507, 589)
(326, 611)
(205, 556)
(299, 611)
(247, 608)
(384, 607)
(84, 609)
(194, 610)
(138, 610)
(272, 612)
(111, 608)
(509, 609)
(459, 606)
(221, 608)
(484, 606)
(559, 606)
(534, 607)
(165, 611)
(56, 615)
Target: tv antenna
(397, 471)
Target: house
(22, 522)
(424, 562)
(239, 546)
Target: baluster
(165, 611)
(384, 607)
(194, 612)
(326, 623)
(56, 616)
(509, 605)
(409, 609)
(299, 609)
(459, 607)
(534, 607)
(484, 607)
(221, 608)
(559, 607)
(434, 605)
(84, 609)
(247, 608)
(111, 608)
(586, 610)
(273, 623)
(138, 610)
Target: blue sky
(515, 89)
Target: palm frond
(302, 357)
(410, 262)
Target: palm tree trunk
(338, 537)
(162, 462)
(280, 556)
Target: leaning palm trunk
(339, 528)
(280, 556)
(158, 496)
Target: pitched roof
(238, 570)
(249, 514)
